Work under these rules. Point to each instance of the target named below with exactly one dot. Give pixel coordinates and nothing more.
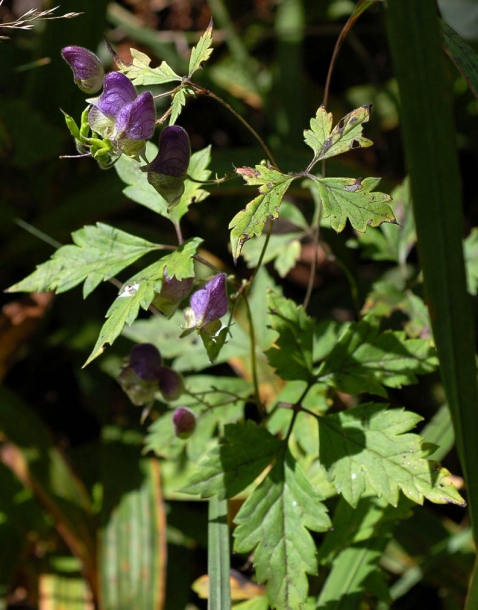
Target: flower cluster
(144, 374)
(124, 119)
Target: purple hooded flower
(119, 114)
(170, 383)
(86, 66)
(210, 303)
(145, 360)
(174, 153)
(167, 170)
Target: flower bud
(140, 392)
(86, 66)
(145, 360)
(210, 302)
(170, 383)
(184, 422)
(172, 292)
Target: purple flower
(174, 153)
(170, 383)
(86, 66)
(167, 170)
(172, 292)
(184, 422)
(210, 303)
(119, 114)
(145, 360)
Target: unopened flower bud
(184, 422)
(139, 391)
(86, 66)
(145, 360)
(170, 383)
(172, 292)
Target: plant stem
(255, 379)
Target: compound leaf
(366, 451)
(99, 252)
(242, 456)
(365, 360)
(353, 199)
(291, 355)
(251, 221)
(140, 72)
(140, 290)
(202, 51)
(272, 523)
(346, 135)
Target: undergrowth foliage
(299, 451)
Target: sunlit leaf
(273, 523)
(366, 360)
(141, 73)
(354, 200)
(139, 291)
(99, 252)
(366, 450)
(251, 221)
(346, 135)
(202, 51)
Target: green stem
(255, 378)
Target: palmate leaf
(140, 191)
(140, 290)
(242, 456)
(365, 360)
(251, 221)
(99, 252)
(140, 72)
(346, 135)
(202, 51)
(354, 200)
(366, 451)
(272, 523)
(291, 355)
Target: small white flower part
(129, 291)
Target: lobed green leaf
(250, 222)
(140, 72)
(273, 523)
(139, 292)
(346, 135)
(367, 451)
(202, 51)
(99, 253)
(242, 456)
(291, 356)
(354, 200)
(365, 360)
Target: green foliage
(273, 522)
(367, 452)
(280, 388)
(99, 253)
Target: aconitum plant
(297, 450)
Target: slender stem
(255, 379)
(261, 257)
(297, 408)
(201, 91)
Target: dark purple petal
(87, 69)
(145, 360)
(174, 153)
(135, 121)
(210, 303)
(184, 422)
(170, 383)
(118, 91)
